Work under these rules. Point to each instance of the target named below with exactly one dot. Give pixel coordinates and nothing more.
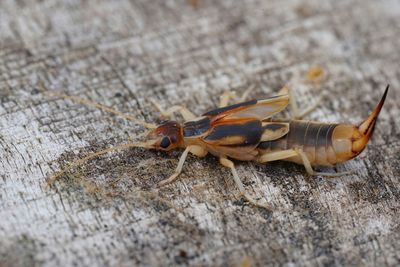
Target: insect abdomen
(314, 138)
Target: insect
(246, 132)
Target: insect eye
(165, 142)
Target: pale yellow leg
(277, 155)
(245, 94)
(306, 161)
(308, 110)
(228, 95)
(195, 150)
(225, 97)
(229, 164)
(295, 110)
(178, 169)
(285, 154)
(186, 114)
(309, 169)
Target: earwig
(245, 132)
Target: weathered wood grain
(126, 53)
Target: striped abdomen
(316, 140)
(325, 144)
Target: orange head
(349, 141)
(167, 136)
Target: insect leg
(295, 110)
(225, 97)
(243, 97)
(228, 95)
(229, 164)
(308, 110)
(178, 169)
(277, 155)
(297, 152)
(306, 161)
(309, 169)
(186, 114)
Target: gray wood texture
(126, 53)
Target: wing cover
(196, 128)
(274, 130)
(235, 134)
(219, 111)
(257, 109)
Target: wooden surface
(126, 53)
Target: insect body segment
(167, 136)
(273, 130)
(197, 127)
(315, 139)
(235, 133)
